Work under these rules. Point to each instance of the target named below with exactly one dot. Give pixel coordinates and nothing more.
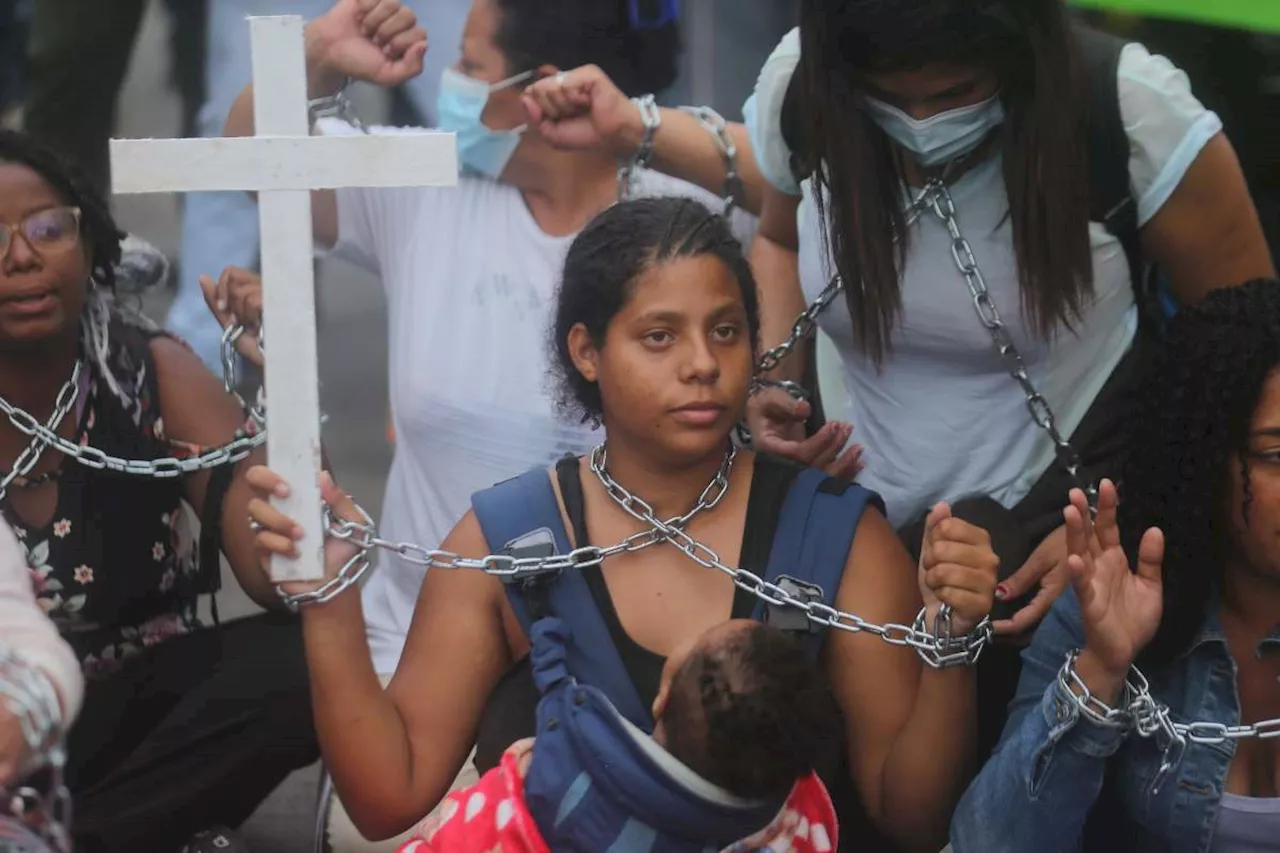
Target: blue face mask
(943, 137)
(459, 107)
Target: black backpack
(1112, 202)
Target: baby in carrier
(741, 717)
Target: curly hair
(606, 259)
(1189, 426)
(757, 686)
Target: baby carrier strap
(597, 782)
(521, 518)
(816, 526)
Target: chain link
(1140, 712)
(938, 649)
(32, 698)
(165, 467)
(1037, 406)
(936, 197)
(651, 119)
(230, 379)
(364, 536)
(31, 454)
(337, 105)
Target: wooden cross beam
(283, 163)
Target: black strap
(211, 534)
(1111, 194)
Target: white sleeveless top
(942, 419)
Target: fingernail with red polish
(1002, 592)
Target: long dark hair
(859, 172)
(639, 59)
(609, 256)
(1190, 424)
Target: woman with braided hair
(183, 728)
(1200, 523)
(654, 337)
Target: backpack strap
(811, 546)
(521, 518)
(1110, 183)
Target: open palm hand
(1121, 608)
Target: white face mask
(943, 137)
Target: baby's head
(746, 708)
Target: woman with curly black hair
(175, 735)
(1201, 522)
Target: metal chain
(1143, 714)
(651, 119)
(807, 323)
(1038, 407)
(937, 198)
(713, 123)
(33, 699)
(31, 454)
(938, 649)
(365, 537)
(231, 382)
(165, 467)
(337, 105)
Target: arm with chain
(393, 754)
(198, 412)
(378, 41)
(583, 109)
(911, 728)
(1068, 718)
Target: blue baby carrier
(598, 782)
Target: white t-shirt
(943, 419)
(470, 280)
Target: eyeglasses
(53, 230)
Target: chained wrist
(942, 648)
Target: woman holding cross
(183, 727)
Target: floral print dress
(116, 568)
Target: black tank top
(510, 713)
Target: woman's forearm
(366, 747)
(776, 268)
(932, 759)
(684, 149)
(1037, 789)
(321, 81)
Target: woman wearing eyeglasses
(184, 728)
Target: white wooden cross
(283, 163)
